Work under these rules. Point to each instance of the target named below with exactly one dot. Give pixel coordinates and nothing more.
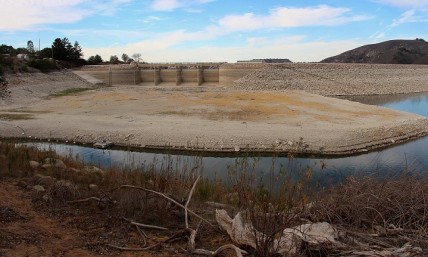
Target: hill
(388, 52)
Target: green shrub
(44, 65)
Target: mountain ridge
(388, 52)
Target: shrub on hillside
(4, 92)
(44, 65)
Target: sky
(212, 30)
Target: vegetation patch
(16, 116)
(25, 110)
(44, 65)
(70, 91)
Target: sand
(201, 118)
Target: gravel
(338, 79)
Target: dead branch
(142, 234)
(218, 205)
(144, 225)
(169, 199)
(147, 226)
(172, 238)
(238, 251)
(93, 198)
(188, 201)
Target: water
(409, 156)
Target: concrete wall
(147, 76)
(223, 75)
(228, 73)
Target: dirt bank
(200, 118)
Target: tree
(75, 52)
(125, 57)
(30, 47)
(63, 50)
(46, 52)
(137, 56)
(95, 59)
(5, 49)
(59, 49)
(114, 59)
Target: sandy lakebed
(221, 119)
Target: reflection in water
(411, 156)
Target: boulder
(39, 188)
(44, 180)
(34, 165)
(52, 162)
(93, 187)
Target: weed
(70, 91)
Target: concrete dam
(199, 74)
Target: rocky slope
(337, 79)
(388, 52)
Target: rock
(39, 188)
(64, 183)
(92, 169)
(93, 187)
(34, 165)
(44, 180)
(73, 170)
(57, 163)
(47, 166)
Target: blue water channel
(410, 156)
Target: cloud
(409, 16)
(405, 3)
(22, 15)
(285, 17)
(293, 47)
(169, 5)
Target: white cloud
(285, 17)
(21, 15)
(169, 5)
(409, 16)
(294, 48)
(405, 3)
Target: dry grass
(388, 212)
(16, 116)
(395, 209)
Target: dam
(184, 74)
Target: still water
(411, 156)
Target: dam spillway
(198, 74)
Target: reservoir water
(411, 156)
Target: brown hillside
(388, 52)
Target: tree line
(114, 59)
(63, 50)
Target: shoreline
(207, 119)
(372, 145)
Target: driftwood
(144, 225)
(315, 236)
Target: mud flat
(206, 119)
